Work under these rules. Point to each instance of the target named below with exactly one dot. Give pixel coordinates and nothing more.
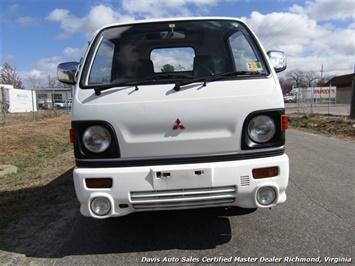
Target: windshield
(168, 52)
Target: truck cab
(177, 114)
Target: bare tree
(301, 78)
(35, 81)
(53, 82)
(326, 78)
(285, 84)
(296, 77)
(311, 78)
(9, 76)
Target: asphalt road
(317, 222)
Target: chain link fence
(27, 106)
(316, 100)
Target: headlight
(96, 139)
(261, 129)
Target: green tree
(168, 68)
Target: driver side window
(243, 54)
(101, 69)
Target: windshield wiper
(108, 86)
(139, 81)
(215, 77)
(179, 84)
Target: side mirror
(278, 60)
(66, 72)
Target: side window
(58, 97)
(101, 69)
(243, 54)
(173, 59)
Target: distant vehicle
(62, 105)
(43, 105)
(290, 98)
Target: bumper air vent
(244, 181)
(183, 198)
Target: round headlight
(100, 206)
(96, 139)
(261, 129)
(266, 195)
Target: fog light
(100, 206)
(266, 195)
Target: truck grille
(183, 198)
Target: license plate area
(182, 178)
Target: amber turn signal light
(265, 172)
(284, 122)
(72, 135)
(98, 182)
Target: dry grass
(42, 152)
(340, 127)
(40, 149)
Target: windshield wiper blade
(108, 86)
(139, 81)
(119, 84)
(190, 80)
(178, 85)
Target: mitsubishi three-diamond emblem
(178, 125)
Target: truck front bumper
(183, 186)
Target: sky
(38, 35)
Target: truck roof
(134, 22)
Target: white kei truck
(174, 114)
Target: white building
(16, 100)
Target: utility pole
(49, 85)
(352, 102)
(321, 83)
